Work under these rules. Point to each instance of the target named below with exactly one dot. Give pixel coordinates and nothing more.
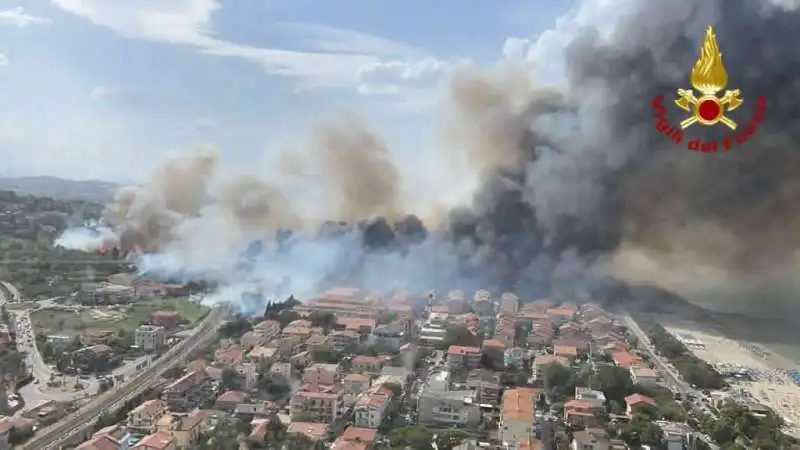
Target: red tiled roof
(637, 399)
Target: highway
(84, 418)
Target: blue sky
(108, 88)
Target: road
(84, 418)
(33, 393)
(674, 378)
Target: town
(354, 370)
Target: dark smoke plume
(576, 184)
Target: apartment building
(509, 303)
(486, 384)
(317, 403)
(459, 357)
(184, 429)
(446, 408)
(644, 376)
(143, 419)
(189, 392)
(370, 409)
(367, 364)
(325, 374)
(517, 416)
(157, 441)
(590, 439)
(149, 337)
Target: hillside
(61, 189)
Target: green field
(58, 321)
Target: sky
(107, 89)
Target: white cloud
(100, 93)
(19, 18)
(392, 77)
(338, 58)
(3, 60)
(545, 52)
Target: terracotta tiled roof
(637, 399)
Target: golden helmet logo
(708, 78)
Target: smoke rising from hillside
(575, 185)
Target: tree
(324, 320)
(448, 439)
(229, 379)
(459, 335)
(416, 437)
(615, 382)
(394, 387)
(235, 329)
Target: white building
(590, 439)
(149, 337)
(595, 398)
(644, 376)
(509, 303)
(371, 407)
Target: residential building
(247, 375)
(324, 403)
(494, 350)
(509, 303)
(644, 376)
(486, 384)
(446, 408)
(482, 303)
(580, 413)
(370, 409)
(596, 398)
(102, 442)
(365, 436)
(367, 364)
(459, 357)
(626, 360)
(343, 340)
(316, 431)
(355, 383)
(184, 429)
(388, 337)
(517, 416)
(149, 337)
(189, 392)
(590, 439)
(677, 436)
(157, 441)
(228, 400)
(326, 374)
(229, 355)
(432, 335)
(261, 354)
(120, 434)
(270, 329)
(455, 302)
(541, 361)
(166, 319)
(143, 419)
(632, 401)
(561, 314)
(514, 357)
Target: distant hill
(61, 189)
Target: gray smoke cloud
(576, 183)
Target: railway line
(23, 262)
(79, 422)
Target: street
(37, 392)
